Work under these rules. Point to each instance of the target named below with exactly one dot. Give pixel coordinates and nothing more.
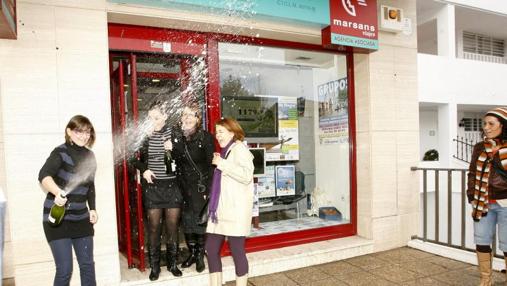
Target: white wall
(58, 67)
(428, 130)
(497, 6)
(444, 80)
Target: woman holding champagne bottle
(68, 178)
(161, 195)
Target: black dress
(165, 191)
(200, 147)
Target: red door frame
(142, 39)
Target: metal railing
(484, 58)
(464, 148)
(446, 207)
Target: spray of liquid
(83, 173)
(129, 142)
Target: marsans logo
(351, 8)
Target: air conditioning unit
(391, 19)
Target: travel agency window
(295, 108)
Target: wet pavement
(401, 266)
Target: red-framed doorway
(137, 39)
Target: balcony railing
(446, 214)
(464, 148)
(484, 58)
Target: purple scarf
(215, 187)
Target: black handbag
(202, 218)
(201, 188)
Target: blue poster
(285, 180)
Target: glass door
(138, 80)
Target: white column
(446, 31)
(447, 131)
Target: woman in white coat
(231, 199)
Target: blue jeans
(485, 228)
(62, 253)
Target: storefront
(301, 94)
(293, 101)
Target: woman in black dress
(161, 194)
(193, 152)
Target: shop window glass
(293, 105)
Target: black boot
(154, 262)
(191, 257)
(191, 244)
(172, 257)
(199, 260)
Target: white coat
(234, 212)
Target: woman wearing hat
(487, 190)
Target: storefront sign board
(353, 23)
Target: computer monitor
(257, 115)
(259, 161)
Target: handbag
(202, 218)
(201, 188)
(499, 169)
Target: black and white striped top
(156, 153)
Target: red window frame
(139, 39)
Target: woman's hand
(168, 145)
(216, 159)
(94, 217)
(148, 176)
(59, 201)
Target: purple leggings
(237, 246)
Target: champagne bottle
(168, 161)
(57, 212)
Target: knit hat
(500, 113)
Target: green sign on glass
(310, 11)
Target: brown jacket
(497, 185)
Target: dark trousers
(62, 254)
(237, 246)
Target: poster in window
(286, 147)
(333, 112)
(266, 183)
(285, 180)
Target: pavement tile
(368, 262)
(447, 263)
(395, 273)
(326, 282)
(424, 267)
(308, 274)
(337, 268)
(363, 278)
(277, 279)
(457, 277)
(425, 281)
(401, 255)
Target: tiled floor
(294, 224)
(402, 266)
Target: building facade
(461, 67)
(77, 57)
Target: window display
(294, 105)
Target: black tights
(171, 219)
